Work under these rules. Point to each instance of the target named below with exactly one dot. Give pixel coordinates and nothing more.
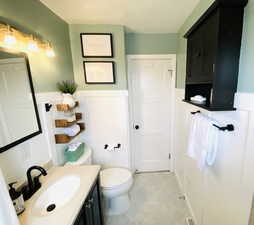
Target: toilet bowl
(115, 184)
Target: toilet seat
(114, 177)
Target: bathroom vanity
(91, 212)
(69, 195)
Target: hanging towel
(203, 140)
(213, 136)
(8, 214)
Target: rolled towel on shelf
(72, 131)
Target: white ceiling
(146, 16)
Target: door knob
(136, 127)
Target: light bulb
(9, 38)
(32, 46)
(50, 52)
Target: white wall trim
(244, 101)
(163, 56)
(171, 57)
(102, 93)
(44, 97)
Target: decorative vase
(68, 99)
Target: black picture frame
(111, 55)
(103, 82)
(21, 140)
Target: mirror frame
(23, 139)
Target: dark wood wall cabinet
(91, 212)
(213, 52)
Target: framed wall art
(99, 72)
(96, 45)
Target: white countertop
(67, 214)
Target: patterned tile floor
(154, 201)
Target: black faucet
(33, 185)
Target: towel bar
(195, 112)
(229, 127)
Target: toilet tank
(85, 159)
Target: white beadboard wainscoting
(106, 117)
(105, 114)
(220, 194)
(36, 151)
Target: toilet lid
(114, 176)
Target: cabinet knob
(136, 127)
(90, 200)
(88, 206)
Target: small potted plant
(68, 88)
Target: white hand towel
(203, 140)
(192, 137)
(8, 214)
(213, 148)
(72, 131)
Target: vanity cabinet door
(195, 57)
(92, 207)
(88, 213)
(96, 206)
(80, 219)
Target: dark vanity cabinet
(91, 212)
(213, 52)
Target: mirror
(19, 118)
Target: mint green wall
(140, 43)
(119, 55)
(33, 17)
(246, 77)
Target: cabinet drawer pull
(90, 200)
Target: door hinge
(169, 156)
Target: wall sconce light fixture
(15, 39)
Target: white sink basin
(57, 195)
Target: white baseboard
(180, 184)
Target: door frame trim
(171, 57)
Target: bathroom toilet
(115, 184)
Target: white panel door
(151, 95)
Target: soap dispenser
(17, 199)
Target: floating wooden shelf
(64, 138)
(64, 108)
(65, 123)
